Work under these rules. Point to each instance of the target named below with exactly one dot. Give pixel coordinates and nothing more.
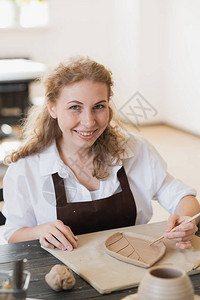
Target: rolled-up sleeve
(149, 180)
(171, 192)
(168, 191)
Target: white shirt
(29, 191)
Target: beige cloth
(107, 274)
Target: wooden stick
(174, 229)
(196, 265)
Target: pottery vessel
(165, 283)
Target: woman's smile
(86, 135)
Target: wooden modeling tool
(174, 229)
(196, 265)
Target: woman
(75, 173)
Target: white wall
(169, 60)
(182, 65)
(107, 31)
(152, 46)
(77, 27)
(125, 49)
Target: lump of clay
(60, 278)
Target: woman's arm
(187, 207)
(51, 235)
(22, 212)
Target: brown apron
(118, 210)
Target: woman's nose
(88, 119)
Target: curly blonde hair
(39, 129)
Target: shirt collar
(50, 163)
(129, 146)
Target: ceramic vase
(165, 283)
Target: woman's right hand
(56, 235)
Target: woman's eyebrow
(75, 101)
(79, 102)
(101, 101)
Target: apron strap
(121, 174)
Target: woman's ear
(52, 110)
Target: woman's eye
(99, 106)
(75, 107)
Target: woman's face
(82, 113)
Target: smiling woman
(76, 173)
(77, 115)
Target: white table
(20, 70)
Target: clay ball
(60, 278)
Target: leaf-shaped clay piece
(134, 248)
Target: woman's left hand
(183, 234)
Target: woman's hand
(56, 235)
(183, 233)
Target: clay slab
(134, 248)
(106, 274)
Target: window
(24, 13)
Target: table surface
(39, 264)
